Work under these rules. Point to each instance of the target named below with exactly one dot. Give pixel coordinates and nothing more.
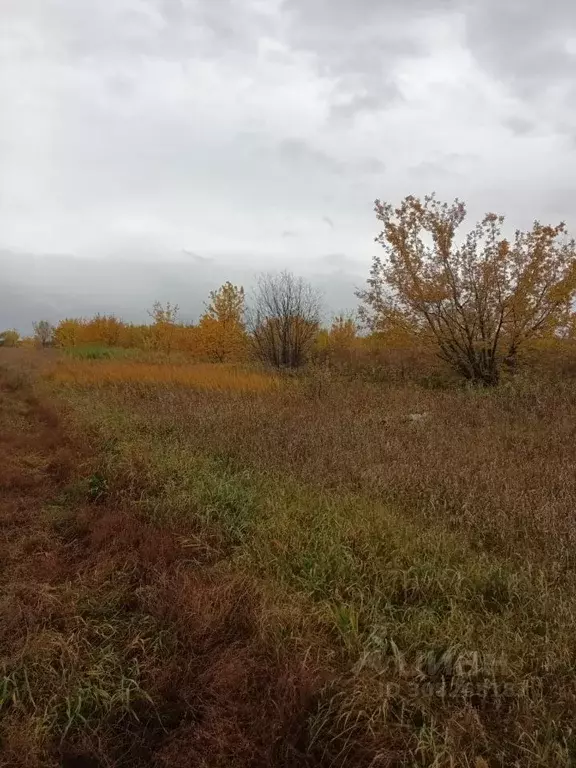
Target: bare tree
(43, 333)
(284, 319)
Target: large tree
(284, 319)
(477, 298)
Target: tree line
(279, 327)
(476, 301)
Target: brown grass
(496, 466)
(332, 573)
(117, 648)
(201, 376)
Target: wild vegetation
(276, 544)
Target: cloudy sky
(153, 148)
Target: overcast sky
(178, 141)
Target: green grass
(86, 662)
(101, 352)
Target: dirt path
(120, 644)
(36, 459)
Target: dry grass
(495, 466)
(382, 575)
(201, 376)
(123, 644)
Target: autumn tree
(343, 331)
(284, 319)
(68, 332)
(103, 329)
(479, 298)
(165, 317)
(164, 313)
(222, 327)
(339, 343)
(9, 338)
(43, 333)
(227, 304)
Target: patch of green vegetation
(100, 352)
(87, 665)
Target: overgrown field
(209, 569)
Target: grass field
(209, 566)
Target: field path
(36, 459)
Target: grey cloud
(338, 286)
(20, 307)
(302, 155)
(520, 126)
(524, 43)
(145, 127)
(443, 164)
(299, 152)
(232, 25)
(52, 288)
(63, 286)
(172, 30)
(559, 205)
(197, 258)
(431, 169)
(352, 104)
(337, 260)
(359, 43)
(371, 165)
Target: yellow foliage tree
(164, 330)
(102, 329)
(339, 343)
(134, 336)
(187, 340)
(106, 330)
(222, 333)
(478, 300)
(343, 332)
(69, 332)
